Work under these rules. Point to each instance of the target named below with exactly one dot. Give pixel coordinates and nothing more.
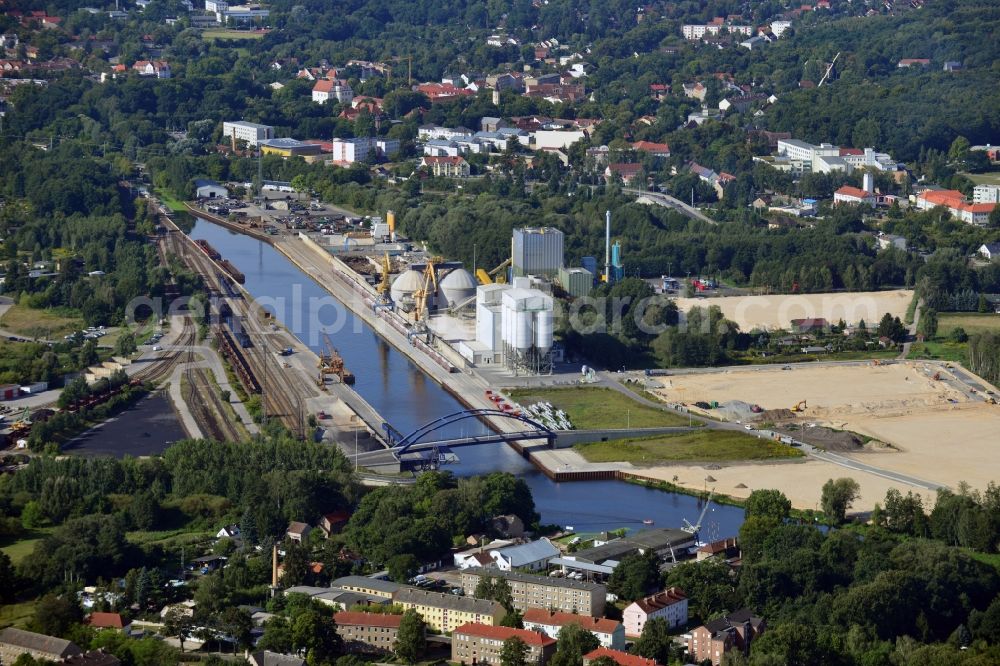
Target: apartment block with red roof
(670, 604)
(368, 633)
(954, 201)
(619, 657)
(610, 633)
(481, 644)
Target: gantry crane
(383, 285)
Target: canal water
(408, 398)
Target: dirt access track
(939, 429)
(777, 311)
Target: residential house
(952, 66)
(714, 639)
(659, 91)
(15, 642)
(695, 90)
(854, 196)
(368, 633)
(108, 621)
(670, 604)
(337, 90)
(442, 92)
(990, 251)
(228, 532)
(885, 241)
(375, 587)
(158, 68)
(534, 555)
(651, 148)
(627, 172)
(93, 658)
(618, 656)
(481, 644)
(298, 531)
(531, 591)
(906, 63)
(333, 522)
(444, 613)
(610, 633)
(811, 325)
(741, 103)
(447, 167)
(972, 213)
(490, 124)
(442, 148)
(469, 559)
(508, 526)
(268, 658)
(725, 548)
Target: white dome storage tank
(457, 287)
(404, 286)
(544, 323)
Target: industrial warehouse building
(252, 133)
(537, 251)
(209, 189)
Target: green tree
(928, 324)
(838, 496)
(709, 585)
(402, 567)
(177, 623)
(9, 582)
(411, 640)
(572, 643)
(55, 616)
(769, 504)
(125, 345)
(316, 634)
(635, 575)
(655, 641)
(237, 624)
(277, 635)
(513, 619)
(514, 652)
(32, 515)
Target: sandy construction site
(938, 429)
(777, 311)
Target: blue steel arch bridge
(425, 449)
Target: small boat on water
(647, 521)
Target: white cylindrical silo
(524, 333)
(544, 321)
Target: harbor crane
(694, 529)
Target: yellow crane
(383, 286)
(498, 274)
(428, 289)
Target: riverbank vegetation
(701, 446)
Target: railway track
(207, 407)
(183, 352)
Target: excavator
(497, 275)
(800, 407)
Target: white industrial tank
(456, 287)
(524, 334)
(544, 323)
(404, 286)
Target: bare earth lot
(941, 432)
(777, 311)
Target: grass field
(593, 408)
(988, 178)
(171, 202)
(23, 547)
(231, 34)
(48, 324)
(17, 614)
(706, 445)
(943, 348)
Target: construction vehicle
(800, 407)
(23, 421)
(497, 275)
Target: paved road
(670, 202)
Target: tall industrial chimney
(607, 246)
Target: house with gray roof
(268, 658)
(534, 555)
(375, 587)
(15, 642)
